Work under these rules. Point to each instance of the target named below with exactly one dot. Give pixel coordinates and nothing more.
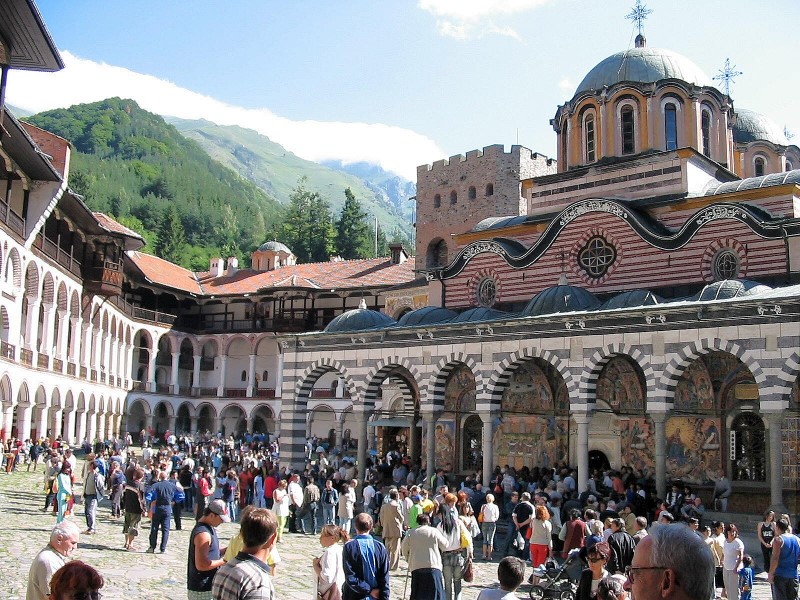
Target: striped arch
(432, 392)
(316, 370)
(503, 372)
(378, 374)
(595, 364)
(787, 376)
(688, 354)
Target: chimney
(217, 267)
(399, 254)
(233, 266)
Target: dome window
(589, 141)
(670, 127)
(487, 292)
(726, 265)
(705, 130)
(759, 165)
(628, 130)
(596, 257)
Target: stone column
(175, 358)
(100, 419)
(660, 452)
(91, 426)
(62, 351)
(223, 365)
(196, 373)
(57, 418)
(279, 377)
(192, 425)
(74, 352)
(413, 439)
(42, 422)
(32, 325)
(151, 368)
(775, 421)
(339, 430)
(172, 421)
(488, 449)
(430, 443)
(80, 432)
(47, 327)
(8, 420)
(582, 449)
(361, 436)
(251, 376)
(69, 427)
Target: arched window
(265, 376)
(705, 132)
(789, 166)
(453, 197)
(489, 189)
(589, 138)
(472, 192)
(437, 201)
(244, 375)
(759, 165)
(628, 129)
(749, 448)
(670, 126)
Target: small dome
(752, 126)
(481, 313)
(558, 299)
(730, 288)
(426, 316)
(643, 65)
(359, 319)
(274, 247)
(631, 299)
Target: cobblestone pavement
(136, 575)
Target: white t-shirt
(497, 594)
(730, 561)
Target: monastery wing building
(633, 301)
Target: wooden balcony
(26, 357)
(103, 278)
(7, 350)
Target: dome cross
(726, 76)
(639, 14)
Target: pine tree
(171, 237)
(321, 232)
(308, 225)
(353, 236)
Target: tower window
(437, 201)
(489, 189)
(758, 166)
(472, 192)
(453, 197)
(670, 126)
(628, 130)
(589, 133)
(705, 128)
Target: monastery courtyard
(137, 575)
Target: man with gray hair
(672, 563)
(63, 541)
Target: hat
(416, 498)
(219, 508)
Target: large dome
(751, 126)
(358, 319)
(274, 247)
(643, 65)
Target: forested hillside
(133, 165)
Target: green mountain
(133, 165)
(276, 170)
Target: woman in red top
(576, 533)
(270, 483)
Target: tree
(171, 237)
(322, 232)
(353, 235)
(308, 225)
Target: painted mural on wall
(790, 448)
(709, 384)
(637, 439)
(694, 391)
(693, 449)
(531, 441)
(530, 391)
(459, 391)
(620, 387)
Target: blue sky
(396, 82)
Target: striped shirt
(243, 578)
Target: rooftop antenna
(726, 75)
(638, 15)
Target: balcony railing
(72, 368)
(143, 314)
(26, 357)
(323, 394)
(265, 393)
(58, 365)
(218, 323)
(12, 219)
(163, 388)
(208, 391)
(52, 250)
(93, 375)
(140, 386)
(43, 361)
(7, 350)
(235, 393)
(83, 372)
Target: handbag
(474, 528)
(466, 572)
(332, 593)
(480, 517)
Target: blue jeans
(452, 564)
(784, 588)
(328, 514)
(161, 519)
(308, 511)
(90, 510)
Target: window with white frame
(705, 132)
(628, 129)
(589, 137)
(670, 126)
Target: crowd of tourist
(616, 529)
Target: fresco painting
(693, 449)
(694, 391)
(637, 441)
(790, 447)
(619, 386)
(530, 391)
(532, 440)
(459, 392)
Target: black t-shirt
(523, 512)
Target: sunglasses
(630, 572)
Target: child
(746, 578)
(510, 572)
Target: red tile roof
(113, 226)
(347, 274)
(57, 148)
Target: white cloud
(566, 86)
(393, 148)
(468, 19)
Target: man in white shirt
(295, 492)
(63, 542)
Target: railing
(93, 375)
(58, 254)
(72, 368)
(218, 323)
(119, 381)
(43, 361)
(26, 357)
(323, 394)
(58, 365)
(235, 393)
(265, 393)
(143, 314)
(208, 391)
(12, 219)
(140, 386)
(84, 371)
(163, 388)
(7, 350)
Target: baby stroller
(554, 581)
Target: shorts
(131, 521)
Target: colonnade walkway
(141, 576)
